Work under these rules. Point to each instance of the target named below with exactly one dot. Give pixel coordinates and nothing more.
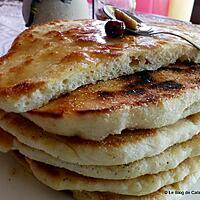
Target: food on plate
(106, 115)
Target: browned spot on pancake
(20, 45)
(46, 45)
(109, 47)
(87, 35)
(52, 33)
(102, 50)
(79, 32)
(74, 56)
(28, 60)
(105, 94)
(183, 64)
(50, 114)
(168, 85)
(140, 78)
(20, 68)
(144, 77)
(24, 87)
(135, 91)
(55, 35)
(130, 86)
(126, 78)
(147, 62)
(134, 62)
(2, 74)
(28, 39)
(53, 22)
(112, 46)
(86, 39)
(105, 54)
(72, 32)
(30, 36)
(94, 111)
(51, 54)
(177, 69)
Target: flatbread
(167, 160)
(181, 186)
(121, 149)
(61, 179)
(144, 100)
(55, 58)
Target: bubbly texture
(145, 100)
(164, 161)
(183, 185)
(55, 58)
(61, 179)
(120, 149)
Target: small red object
(115, 28)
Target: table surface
(11, 23)
(15, 182)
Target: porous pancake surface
(145, 100)
(120, 149)
(164, 161)
(60, 179)
(183, 185)
(167, 160)
(161, 194)
(55, 58)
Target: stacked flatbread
(108, 119)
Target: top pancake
(55, 58)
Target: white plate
(17, 184)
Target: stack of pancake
(106, 118)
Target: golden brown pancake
(61, 179)
(145, 100)
(162, 194)
(55, 58)
(183, 185)
(114, 150)
(168, 159)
